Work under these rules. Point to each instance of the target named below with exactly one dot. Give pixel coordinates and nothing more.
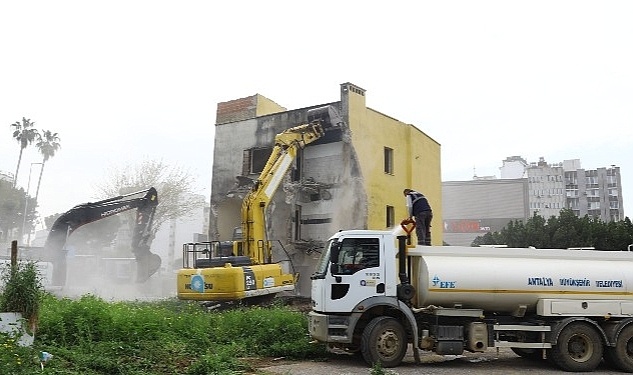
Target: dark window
(259, 157)
(388, 160)
(390, 217)
(297, 235)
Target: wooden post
(14, 253)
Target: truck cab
(353, 266)
(373, 297)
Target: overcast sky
(124, 81)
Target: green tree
(12, 212)
(25, 133)
(490, 238)
(617, 234)
(514, 234)
(561, 232)
(47, 144)
(568, 230)
(536, 232)
(50, 220)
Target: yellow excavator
(243, 269)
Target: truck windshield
(324, 260)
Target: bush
(22, 291)
(271, 331)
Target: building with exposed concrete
(351, 178)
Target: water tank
(507, 279)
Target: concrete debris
(307, 190)
(309, 246)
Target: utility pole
(26, 203)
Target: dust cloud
(100, 262)
(114, 279)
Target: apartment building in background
(352, 178)
(595, 192)
(549, 188)
(587, 192)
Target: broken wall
(326, 196)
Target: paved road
(503, 363)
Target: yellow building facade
(393, 155)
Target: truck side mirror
(335, 250)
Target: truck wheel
(384, 341)
(579, 348)
(621, 356)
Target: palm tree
(47, 144)
(25, 134)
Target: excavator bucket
(328, 116)
(146, 265)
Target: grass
(377, 369)
(91, 336)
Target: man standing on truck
(418, 206)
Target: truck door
(357, 275)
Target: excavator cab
(212, 254)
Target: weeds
(90, 336)
(15, 359)
(22, 290)
(377, 369)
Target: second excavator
(144, 201)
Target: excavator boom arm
(255, 243)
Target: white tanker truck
(373, 294)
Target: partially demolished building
(351, 178)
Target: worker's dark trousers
(423, 227)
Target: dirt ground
(504, 362)
(491, 362)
